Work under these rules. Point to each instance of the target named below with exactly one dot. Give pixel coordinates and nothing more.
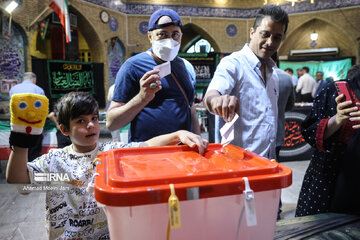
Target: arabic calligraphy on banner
(67, 76)
(293, 136)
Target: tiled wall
(340, 17)
(147, 9)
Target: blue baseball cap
(176, 21)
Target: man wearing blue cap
(152, 104)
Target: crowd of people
(161, 111)
(306, 87)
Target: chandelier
(295, 1)
(292, 2)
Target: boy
(73, 212)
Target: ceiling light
(11, 7)
(295, 1)
(314, 36)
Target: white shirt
(191, 70)
(316, 86)
(111, 92)
(26, 87)
(294, 80)
(239, 75)
(305, 84)
(71, 212)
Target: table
(319, 227)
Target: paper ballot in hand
(227, 131)
(165, 69)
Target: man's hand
(147, 85)
(225, 106)
(120, 114)
(193, 140)
(344, 111)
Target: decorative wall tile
(143, 27)
(113, 24)
(148, 9)
(231, 30)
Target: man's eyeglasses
(164, 34)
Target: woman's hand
(193, 140)
(355, 117)
(344, 111)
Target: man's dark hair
(353, 71)
(306, 69)
(276, 13)
(289, 70)
(73, 105)
(320, 72)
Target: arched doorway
(201, 50)
(196, 39)
(329, 35)
(116, 56)
(48, 40)
(78, 64)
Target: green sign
(335, 69)
(67, 76)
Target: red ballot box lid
(138, 176)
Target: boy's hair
(306, 69)
(73, 105)
(276, 14)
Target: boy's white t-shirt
(71, 212)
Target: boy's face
(84, 132)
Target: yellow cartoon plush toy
(28, 115)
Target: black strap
(181, 89)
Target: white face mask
(165, 49)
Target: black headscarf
(346, 197)
(354, 84)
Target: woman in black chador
(332, 180)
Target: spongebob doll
(28, 115)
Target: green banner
(65, 76)
(4, 126)
(335, 69)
